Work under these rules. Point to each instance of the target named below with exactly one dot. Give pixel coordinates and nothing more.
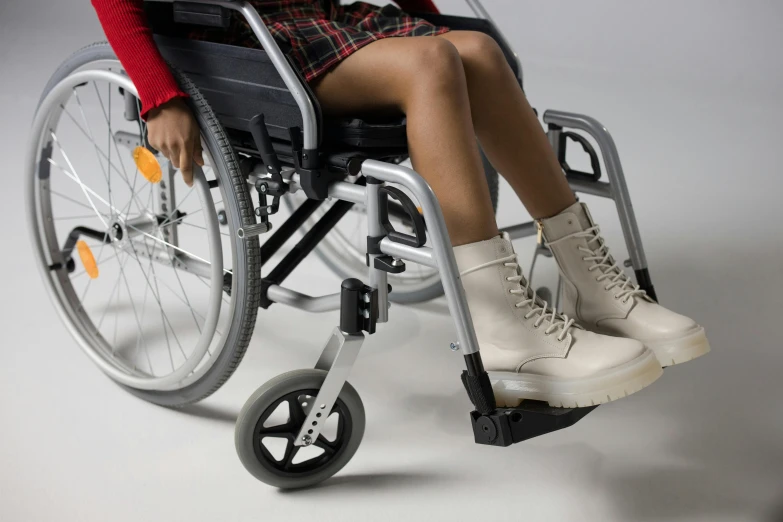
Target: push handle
(420, 236)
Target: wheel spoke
(156, 295)
(175, 294)
(194, 256)
(113, 139)
(113, 291)
(136, 317)
(328, 447)
(297, 412)
(290, 453)
(95, 145)
(87, 191)
(286, 430)
(202, 228)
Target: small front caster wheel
(271, 419)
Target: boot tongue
(475, 254)
(573, 219)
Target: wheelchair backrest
(238, 82)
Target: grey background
(691, 91)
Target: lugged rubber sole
(684, 349)
(614, 383)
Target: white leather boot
(529, 351)
(601, 297)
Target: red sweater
(126, 28)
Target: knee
(480, 52)
(436, 68)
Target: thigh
(375, 79)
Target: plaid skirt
(317, 34)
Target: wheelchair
(161, 289)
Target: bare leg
(507, 127)
(424, 78)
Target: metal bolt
(262, 188)
(307, 440)
(366, 298)
(366, 314)
(396, 261)
(454, 347)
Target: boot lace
(554, 321)
(603, 261)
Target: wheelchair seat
(365, 133)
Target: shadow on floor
(210, 412)
(371, 482)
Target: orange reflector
(147, 164)
(88, 260)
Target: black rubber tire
(264, 397)
(239, 209)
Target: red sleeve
(126, 28)
(417, 6)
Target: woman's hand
(172, 130)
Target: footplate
(507, 426)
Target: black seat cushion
(366, 134)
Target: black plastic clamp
(358, 307)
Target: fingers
(186, 165)
(198, 156)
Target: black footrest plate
(507, 426)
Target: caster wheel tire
(274, 414)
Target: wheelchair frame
(343, 345)
(363, 306)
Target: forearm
(129, 34)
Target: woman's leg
(424, 78)
(597, 292)
(507, 127)
(532, 347)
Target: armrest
(201, 14)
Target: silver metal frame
(341, 349)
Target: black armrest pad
(201, 14)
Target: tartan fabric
(317, 34)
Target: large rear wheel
(152, 285)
